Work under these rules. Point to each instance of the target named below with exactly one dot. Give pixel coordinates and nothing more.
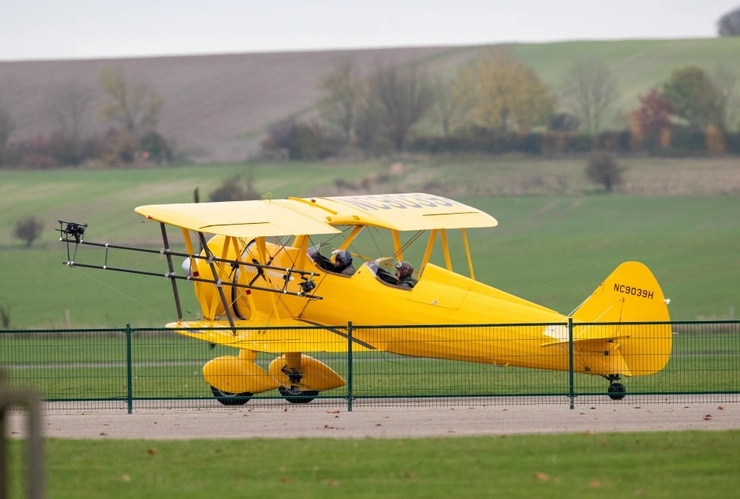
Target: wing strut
(218, 282)
(173, 280)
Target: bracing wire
(124, 295)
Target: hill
(216, 108)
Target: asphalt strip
(317, 421)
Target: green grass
(106, 198)
(555, 251)
(687, 464)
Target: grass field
(557, 237)
(657, 465)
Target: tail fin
(630, 294)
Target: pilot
(343, 262)
(404, 274)
(320, 260)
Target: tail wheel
(616, 391)
(296, 396)
(227, 398)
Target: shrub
(603, 169)
(29, 229)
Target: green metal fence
(155, 368)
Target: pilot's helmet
(343, 258)
(404, 269)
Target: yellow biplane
(260, 274)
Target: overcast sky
(74, 29)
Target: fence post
(34, 475)
(349, 366)
(571, 389)
(129, 374)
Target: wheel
(227, 398)
(296, 396)
(616, 391)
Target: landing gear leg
(616, 391)
(293, 393)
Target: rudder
(630, 294)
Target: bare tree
(134, 106)
(589, 93)
(729, 24)
(448, 109)
(339, 107)
(397, 99)
(6, 128)
(70, 106)
(728, 98)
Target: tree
(301, 140)
(6, 128)
(589, 93)
(339, 106)
(725, 82)
(729, 24)
(396, 100)
(69, 107)
(29, 229)
(133, 106)
(655, 111)
(448, 109)
(505, 94)
(603, 169)
(156, 148)
(651, 120)
(119, 147)
(693, 97)
(367, 124)
(564, 122)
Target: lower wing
(283, 335)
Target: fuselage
(441, 299)
(495, 327)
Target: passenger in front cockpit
(343, 262)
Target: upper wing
(401, 212)
(284, 335)
(296, 216)
(247, 219)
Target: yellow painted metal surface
(315, 375)
(294, 216)
(230, 374)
